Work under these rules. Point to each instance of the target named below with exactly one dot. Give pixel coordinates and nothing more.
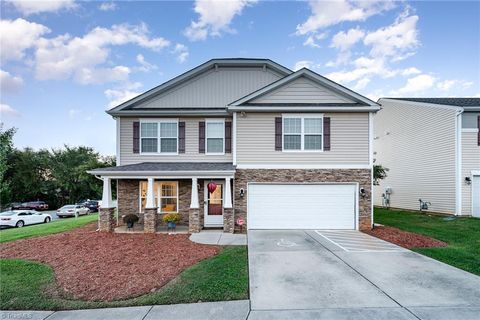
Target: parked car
(72, 210)
(92, 205)
(20, 218)
(31, 205)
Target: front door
(214, 205)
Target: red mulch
(90, 265)
(405, 239)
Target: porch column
(228, 223)
(227, 197)
(194, 199)
(194, 212)
(150, 216)
(106, 216)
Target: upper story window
(159, 136)
(302, 133)
(215, 136)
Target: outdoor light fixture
(363, 193)
(242, 192)
(468, 180)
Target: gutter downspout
(458, 161)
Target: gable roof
(352, 99)
(211, 64)
(467, 103)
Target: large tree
(6, 148)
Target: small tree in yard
(379, 173)
(6, 148)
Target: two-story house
(431, 147)
(284, 150)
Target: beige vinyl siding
(256, 142)
(417, 143)
(214, 88)
(191, 146)
(470, 162)
(301, 90)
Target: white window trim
(158, 197)
(158, 122)
(214, 120)
(159, 194)
(302, 132)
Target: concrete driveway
(320, 274)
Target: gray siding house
(431, 147)
(284, 149)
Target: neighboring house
(285, 149)
(431, 147)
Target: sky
(64, 63)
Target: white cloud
(107, 6)
(28, 7)
(181, 51)
(303, 64)
(410, 71)
(328, 13)
(416, 85)
(395, 39)
(122, 94)
(144, 65)
(18, 35)
(81, 58)
(9, 83)
(361, 84)
(345, 40)
(73, 113)
(6, 110)
(311, 40)
(446, 84)
(214, 17)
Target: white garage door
(301, 206)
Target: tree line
(56, 176)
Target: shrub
(130, 218)
(171, 217)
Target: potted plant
(171, 219)
(130, 220)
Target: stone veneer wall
(128, 200)
(362, 176)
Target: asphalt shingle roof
(458, 102)
(171, 166)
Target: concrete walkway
(219, 238)
(332, 275)
(233, 310)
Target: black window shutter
(136, 137)
(278, 134)
(228, 137)
(326, 134)
(201, 137)
(181, 137)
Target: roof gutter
(303, 108)
(162, 174)
(177, 112)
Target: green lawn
(46, 228)
(28, 285)
(461, 234)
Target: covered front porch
(153, 190)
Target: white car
(72, 210)
(20, 218)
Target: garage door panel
(309, 206)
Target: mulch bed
(90, 265)
(405, 239)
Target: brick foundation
(106, 219)
(361, 176)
